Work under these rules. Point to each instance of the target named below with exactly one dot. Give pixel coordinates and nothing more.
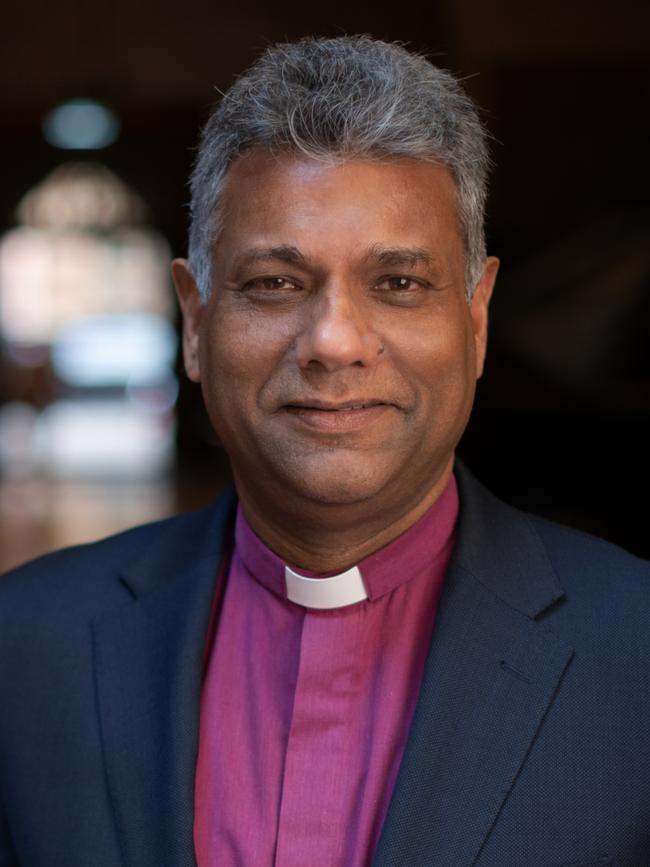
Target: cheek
(224, 360)
(239, 357)
(441, 361)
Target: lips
(326, 406)
(337, 418)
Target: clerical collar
(380, 573)
(334, 591)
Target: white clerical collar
(347, 588)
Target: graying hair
(342, 98)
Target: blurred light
(81, 124)
(158, 399)
(81, 196)
(18, 422)
(111, 438)
(115, 350)
(27, 354)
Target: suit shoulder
(74, 572)
(574, 546)
(104, 551)
(519, 554)
(589, 566)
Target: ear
(192, 308)
(479, 310)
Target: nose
(337, 334)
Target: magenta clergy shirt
(305, 713)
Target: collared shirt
(305, 713)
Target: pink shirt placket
(305, 713)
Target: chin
(330, 494)
(338, 485)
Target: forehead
(343, 206)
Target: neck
(326, 537)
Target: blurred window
(85, 305)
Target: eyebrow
(283, 252)
(385, 256)
(408, 256)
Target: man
(363, 657)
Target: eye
(400, 284)
(270, 284)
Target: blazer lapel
(148, 664)
(490, 676)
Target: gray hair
(342, 98)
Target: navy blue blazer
(530, 745)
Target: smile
(337, 418)
(332, 406)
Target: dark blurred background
(98, 428)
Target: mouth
(326, 406)
(337, 417)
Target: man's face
(337, 353)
